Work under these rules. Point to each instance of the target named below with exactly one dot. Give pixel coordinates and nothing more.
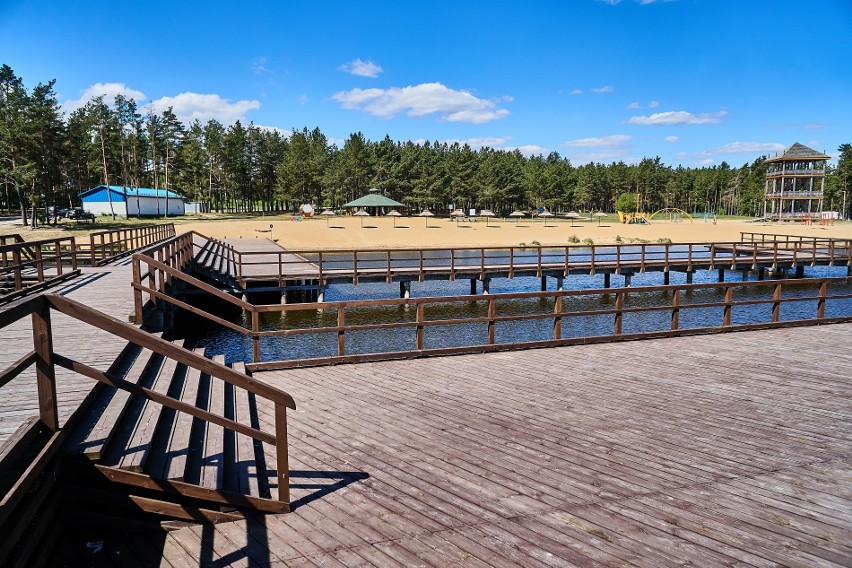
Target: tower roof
(799, 152)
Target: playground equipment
(635, 218)
(673, 213)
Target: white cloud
(605, 142)
(303, 99)
(604, 156)
(604, 89)
(671, 138)
(576, 92)
(191, 106)
(421, 100)
(258, 66)
(361, 68)
(678, 117)
(531, 150)
(653, 104)
(706, 162)
(282, 131)
(108, 90)
(633, 105)
(481, 141)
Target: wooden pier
(707, 451)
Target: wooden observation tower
(795, 183)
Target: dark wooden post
(16, 265)
(538, 266)
(45, 372)
(281, 455)
(619, 315)
(255, 340)
(39, 263)
(492, 312)
(420, 339)
(422, 275)
(726, 317)
(642, 260)
(355, 267)
(557, 318)
(137, 292)
(341, 337)
(776, 304)
(389, 277)
(73, 253)
(675, 309)
(823, 288)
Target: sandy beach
(348, 233)
(411, 232)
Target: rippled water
(237, 347)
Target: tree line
(47, 158)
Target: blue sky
(696, 82)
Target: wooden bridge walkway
(720, 450)
(105, 288)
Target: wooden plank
(246, 459)
(212, 461)
(139, 446)
(177, 449)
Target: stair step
(143, 436)
(177, 445)
(109, 408)
(213, 459)
(246, 449)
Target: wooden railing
(559, 300)
(44, 358)
(106, 246)
(479, 262)
(793, 240)
(29, 266)
(11, 239)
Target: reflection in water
(237, 347)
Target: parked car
(81, 215)
(54, 211)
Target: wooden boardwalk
(265, 267)
(105, 288)
(718, 450)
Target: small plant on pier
(589, 242)
(573, 239)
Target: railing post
(619, 315)
(137, 292)
(823, 289)
(420, 339)
(255, 340)
(729, 298)
(422, 277)
(389, 277)
(776, 304)
(355, 267)
(492, 311)
(281, 455)
(642, 261)
(675, 309)
(39, 264)
(341, 337)
(618, 259)
(734, 256)
(567, 269)
(712, 256)
(538, 267)
(73, 253)
(321, 279)
(45, 372)
(557, 318)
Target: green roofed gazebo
(374, 199)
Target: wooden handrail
(35, 265)
(45, 359)
(106, 246)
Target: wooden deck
(265, 267)
(720, 450)
(107, 289)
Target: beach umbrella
(486, 213)
(361, 213)
(458, 214)
(517, 213)
(545, 214)
(600, 215)
(393, 213)
(327, 213)
(572, 215)
(426, 213)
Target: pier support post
(560, 283)
(721, 275)
(544, 283)
(606, 279)
(405, 290)
(689, 274)
(666, 278)
(745, 274)
(628, 276)
(473, 286)
(800, 271)
(321, 295)
(761, 273)
(486, 285)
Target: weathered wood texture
(104, 288)
(709, 451)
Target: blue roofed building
(133, 201)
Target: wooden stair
(162, 463)
(213, 262)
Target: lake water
(237, 347)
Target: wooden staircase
(215, 261)
(159, 462)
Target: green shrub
(573, 239)
(589, 242)
(618, 239)
(664, 241)
(535, 243)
